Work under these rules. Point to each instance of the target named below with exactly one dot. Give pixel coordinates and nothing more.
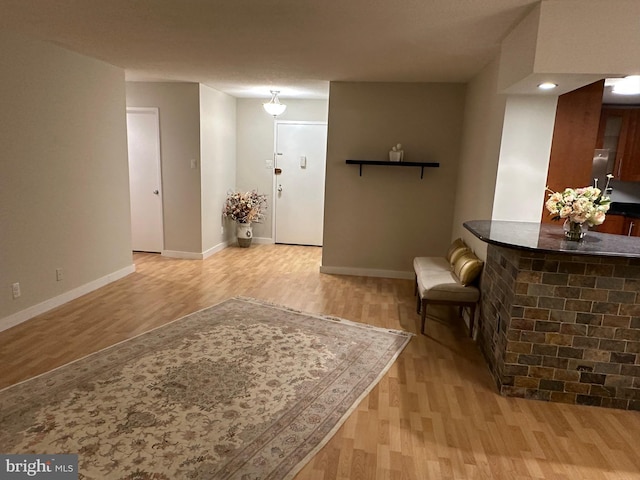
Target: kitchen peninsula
(560, 320)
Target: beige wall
(64, 181)
(483, 122)
(179, 106)
(375, 224)
(572, 43)
(218, 162)
(518, 51)
(256, 130)
(594, 37)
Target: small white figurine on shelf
(396, 154)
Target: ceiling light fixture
(274, 107)
(547, 86)
(627, 86)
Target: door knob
(279, 188)
(156, 192)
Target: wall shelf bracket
(422, 165)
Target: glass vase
(574, 231)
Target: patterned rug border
(404, 338)
(402, 333)
(89, 355)
(323, 316)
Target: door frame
(155, 111)
(275, 165)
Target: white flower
(565, 211)
(580, 205)
(597, 218)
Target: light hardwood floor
(435, 415)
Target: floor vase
(244, 234)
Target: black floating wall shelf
(422, 165)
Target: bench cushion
(444, 286)
(421, 264)
(456, 250)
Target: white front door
(301, 151)
(143, 134)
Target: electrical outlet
(15, 289)
(59, 274)
(221, 230)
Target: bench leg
(422, 310)
(472, 319)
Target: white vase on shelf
(395, 156)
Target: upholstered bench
(449, 280)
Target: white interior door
(143, 133)
(301, 151)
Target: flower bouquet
(578, 206)
(245, 207)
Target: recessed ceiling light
(547, 86)
(627, 86)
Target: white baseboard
(214, 249)
(254, 240)
(263, 240)
(193, 255)
(28, 313)
(367, 272)
(179, 254)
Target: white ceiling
(247, 47)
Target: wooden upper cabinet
(628, 168)
(574, 139)
(619, 132)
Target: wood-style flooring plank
(434, 415)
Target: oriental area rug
(241, 390)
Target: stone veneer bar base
(561, 327)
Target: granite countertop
(624, 208)
(549, 238)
